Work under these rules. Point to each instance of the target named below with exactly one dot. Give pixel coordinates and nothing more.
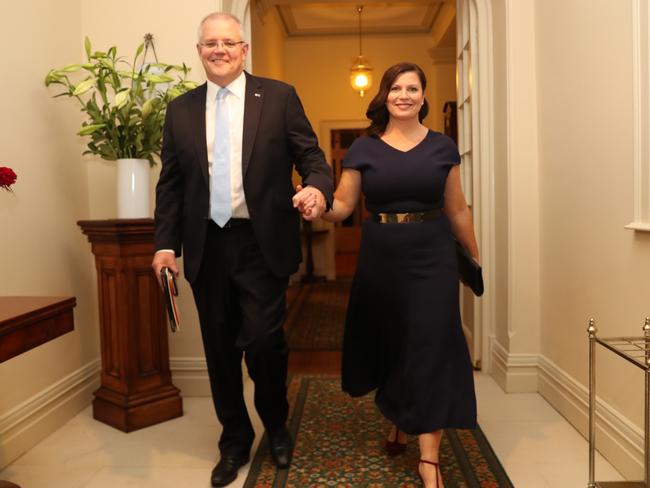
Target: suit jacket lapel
(252, 112)
(197, 119)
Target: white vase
(133, 189)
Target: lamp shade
(361, 75)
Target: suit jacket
(276, 136)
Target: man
(225, 197)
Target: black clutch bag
(469, 271)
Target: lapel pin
(258, 95)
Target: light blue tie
(220, 199)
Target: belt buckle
(410, 217)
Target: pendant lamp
(361, 71)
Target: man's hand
(310, 202)
(162, 259)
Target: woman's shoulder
(444, 146)
(362, 143)
(442, 139)
(363, 140)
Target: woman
(403, 335)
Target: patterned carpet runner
(316, 317)
(339, 443)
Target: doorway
(347, 233)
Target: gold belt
(407, 217)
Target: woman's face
(405, 97)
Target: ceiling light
(361, 71)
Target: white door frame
(483, 112)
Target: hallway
(537, 447)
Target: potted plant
(125, 106)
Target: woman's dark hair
(377, 111)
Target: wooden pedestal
(136, 389)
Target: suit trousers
(242, 306)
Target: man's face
(222, 64)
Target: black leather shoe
(281, 446)
(225, 472)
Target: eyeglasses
(228, 44)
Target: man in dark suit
(225, 198)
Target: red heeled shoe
(394, 448)
(436, 465)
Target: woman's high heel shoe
(394, 448)
(435, 465)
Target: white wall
(43, 250)
(590, 265)
(515, 345)
(564, 180)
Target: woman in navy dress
(403, 335)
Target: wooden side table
(27, 322)
(136, 388)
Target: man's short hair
(222, 15)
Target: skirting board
(617, 438)
(514, 373)
(190, 375)
(30, 422)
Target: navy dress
(403, 335)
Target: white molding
(483, 97)
(515, 373)
(641, 115)
(617, 437)
(25, 425)
(638, 226)
(190, 375)
(480, 16)
(241, 10)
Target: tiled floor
(538, 448)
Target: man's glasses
(227, 44)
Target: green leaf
(159, 78)
(71, 68)
(146, 108)
(83, 87)
(87, 46)
(89, 129)
(139, 50)
(51, 77)
(122, 98)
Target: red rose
(7, 177)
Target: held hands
(310, 202)
(162, 259)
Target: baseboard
(618, 439)
(515, 373)
(30, 422)
(190, 375)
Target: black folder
(170, 291)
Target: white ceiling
(335, 17)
